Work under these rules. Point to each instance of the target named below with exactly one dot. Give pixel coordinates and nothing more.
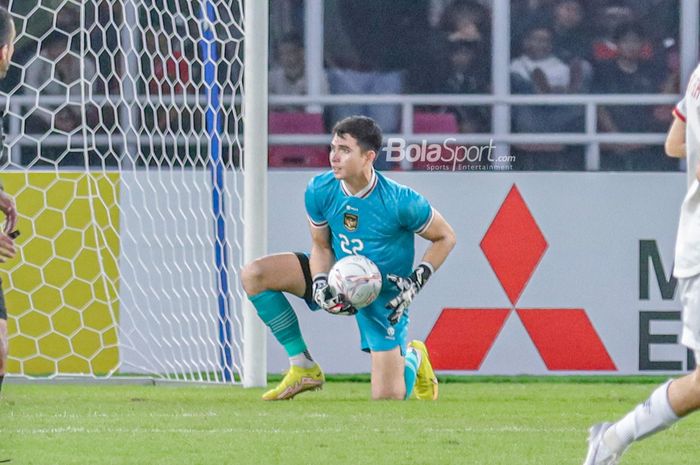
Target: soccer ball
(357, 278)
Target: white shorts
(690, 298)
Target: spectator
(466, 21)
(465, 61)
(467, 77)
(170, 72)
(610, 19)
(68, 18)
(60, 73)
(539, 71)
(660, 21)
(524, 15)
(104, 40)
(287, 76)
(368, 54)
(659, 18)
(628, 73)
(570, 39)
(57, 71)
(169, 67)
(467, 27)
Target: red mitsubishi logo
(564, 337)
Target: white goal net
(123, 153)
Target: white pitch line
(73, 415)
(468, 429)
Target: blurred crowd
(557, 47)
(372, 47)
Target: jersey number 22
(350, 246)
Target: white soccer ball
(357, 278)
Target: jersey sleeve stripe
(317, 224)
(677, 113)
(426, 225)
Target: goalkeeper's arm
(443, 239)
(322, 257)
(320, 262)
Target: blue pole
(214, 127)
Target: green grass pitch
(483, 421)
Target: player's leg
(684, 393)
(666, 405)
(277, 272)
(3, 350)
(426, 383)
(397, 367)
(395, 376)
(3, 338)
(388, 374)
(264, 281)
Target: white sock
(647, 418)
(303, 360)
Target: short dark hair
(364, 129)
(5, 27)
(537, 26)
(628, 28)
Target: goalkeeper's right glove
(324, 298)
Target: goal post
(255, 173)
(140, 195)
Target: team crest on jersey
(350, 221)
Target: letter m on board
(649, 254)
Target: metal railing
(590, 137)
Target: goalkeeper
(7, 203)
(352, 209)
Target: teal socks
(410, 370)
(276, 312)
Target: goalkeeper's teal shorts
(376, 333)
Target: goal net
(123, 154)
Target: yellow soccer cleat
(426, 387)
(297, 380)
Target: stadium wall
(553, 274)
(588, 293)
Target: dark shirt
(571, 44)
(374, 35)
(611, 79)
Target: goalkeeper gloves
(324, 298)
(408, 288)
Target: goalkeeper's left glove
(408, 288)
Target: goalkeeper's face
(348, 159)
(6, 54)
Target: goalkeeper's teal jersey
(379, 222)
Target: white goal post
(139, 201)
